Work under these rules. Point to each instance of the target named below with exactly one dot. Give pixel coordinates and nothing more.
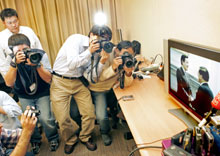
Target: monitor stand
(184, 116)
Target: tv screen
(193, 76)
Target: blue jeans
(100, 101)
(46, 118)
(9, 151)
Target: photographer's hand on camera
(116, 62)
(104, 56)
(94, 46)
(28, 121)
(20, 57)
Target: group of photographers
(86, 67)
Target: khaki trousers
(60, 92)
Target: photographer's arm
(22, 145)
(28, 124)
(112, 70)
(44, 74)
(104, 57)
(45, 69)
(107, 73)
(11, 75)
(74, 58)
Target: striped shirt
(8, 139)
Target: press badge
(32, 87)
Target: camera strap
(30, 82)
(121, 78)
(96, 68)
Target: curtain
(54, 20)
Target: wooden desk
(147, 116)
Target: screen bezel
(196, 49)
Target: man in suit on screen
(204, 95)
(183, 88)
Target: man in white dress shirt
(71, 61)
(10, 20)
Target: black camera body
(35, 55)
(106, 45)
(128, 60)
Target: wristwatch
(13, 64)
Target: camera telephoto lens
(129, 64)
(107, 46)
(35, 58)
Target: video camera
(35, 55)
(37, 112)
(128, 60)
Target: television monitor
(192, 75)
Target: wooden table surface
(147, 115)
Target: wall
(151, 21)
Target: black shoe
(114, 125)
(106, 139)
(54, 145)
(35, 147)
(90, 145)
(68, 149)
(128, 135)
